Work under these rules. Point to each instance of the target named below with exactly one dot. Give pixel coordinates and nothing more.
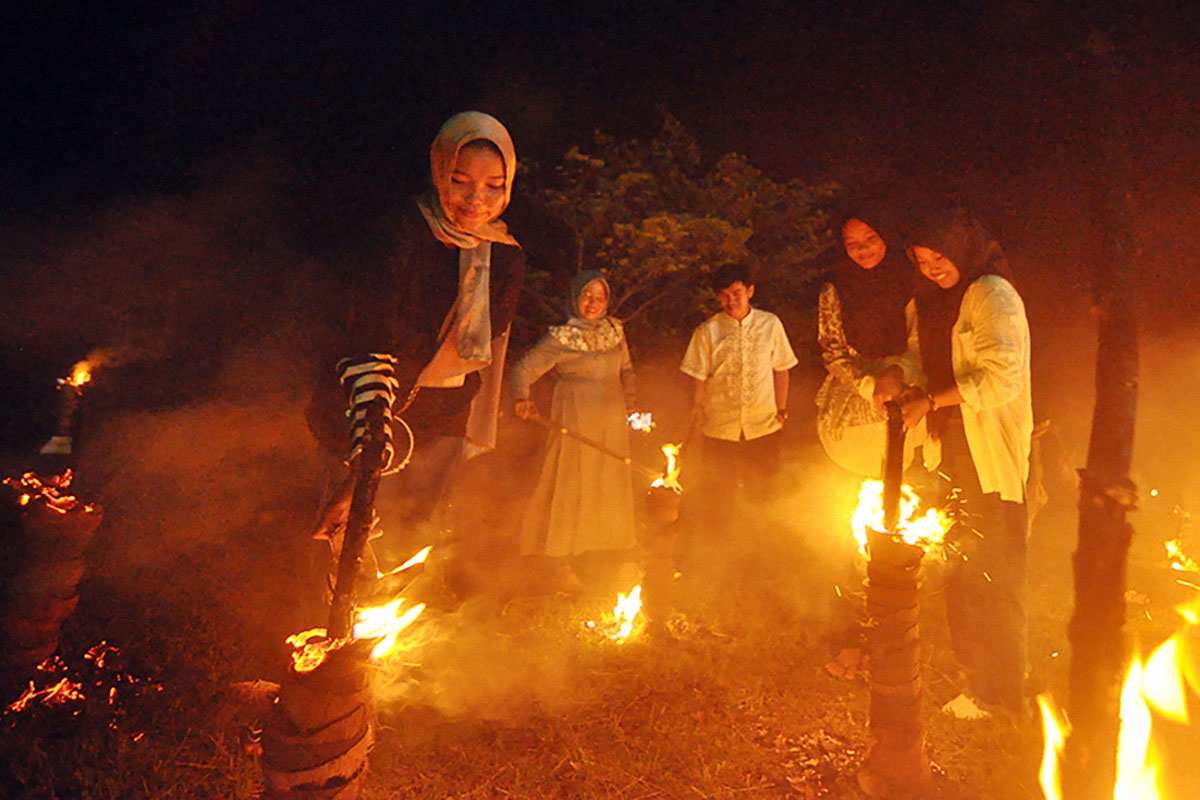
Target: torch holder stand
(316, 739)
(42, 553)
(658, 547)
(898, 765)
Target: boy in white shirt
(738, 360)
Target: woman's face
(936, 267)
(593, 300)
(863, 244)
(477, 187)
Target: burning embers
(51, 493)
(98, 685)
(44, 566)
(1156, 748)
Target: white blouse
(990, 357)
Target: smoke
(200, 314)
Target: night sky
(129, 97)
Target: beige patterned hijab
(460, 129)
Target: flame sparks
(927, 530)
(670, 477)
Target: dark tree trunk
(1106, 492)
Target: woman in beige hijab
(428, 326)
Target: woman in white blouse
(973, 341)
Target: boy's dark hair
(726, 275)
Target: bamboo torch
(897, 765)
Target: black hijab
(953, 231)
(873, 300)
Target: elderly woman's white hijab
(459, 130)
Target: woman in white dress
(584, 499)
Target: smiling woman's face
(593, 300)
(477, 186)
(863, 244)
(936, 267)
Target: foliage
(657, 218)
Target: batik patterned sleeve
(840, 359)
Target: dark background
(182, 178)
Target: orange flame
(670, 476)
(626, 611)
(384, 623)
(81, 373)
(1178, 559)
(419, 558)
(1159, 684)
(927, 530)
(625, 617)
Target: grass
(504, 693)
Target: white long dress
(584, 499)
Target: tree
(657, 218)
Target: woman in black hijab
(974, 347)
(863, 335)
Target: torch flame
(81, 373)
(383, 622)
(927, 531)
(670, 476)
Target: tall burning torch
(70, 397)
(898, 765)
(320, 720)
(43, 539)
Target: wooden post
(358, 524)
(658, 547)
(897, 765)
(1106, 494)
(44, 532)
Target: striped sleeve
(364, 379)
